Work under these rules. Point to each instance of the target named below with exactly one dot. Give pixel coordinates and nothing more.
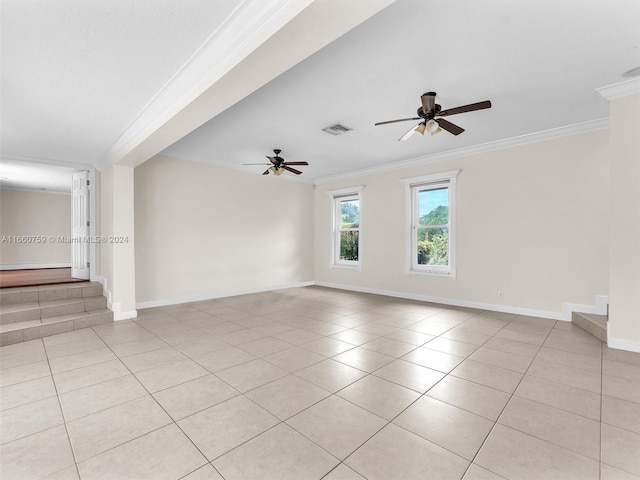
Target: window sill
(348, 267)
(449, 275)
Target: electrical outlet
(500, 294)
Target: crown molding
(578, 128)
(620, 90)
(248, 26)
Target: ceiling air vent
(336, 129)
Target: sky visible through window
(431, 199)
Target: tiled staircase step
(52, 308)
(594, 324)
(25, 331)
(44, 293)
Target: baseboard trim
(565, 315)
(623, 344)
(212, 296)
(28, 266)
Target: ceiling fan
(428, 112)
(278, 165)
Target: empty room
(319, 239)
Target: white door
(80, 225)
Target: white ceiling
(77, 73)
(18, 175)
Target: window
(346, 227)
(430, 219)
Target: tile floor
(313, 383)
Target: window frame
(413, 187)
(338, 196)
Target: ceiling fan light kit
(430, 114)
(278, 165)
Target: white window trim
(444, 178)
(355, 192)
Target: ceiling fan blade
(428, 102)
(394, 121)
(295, 163)
(466, 108)
(292, 170)
(449, 127)
(409, 133)
(266, 172)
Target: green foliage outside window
(350, 212)
(433, 243)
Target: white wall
(532, 222)
(204, 231)
(35, 214)
(624, 308)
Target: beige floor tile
(443, 362)
(167, 376)
(573, 432)
(573, 336)
(379, 396)
(92, 399)
(354, 337)
(465, 337)
(19, 461)
(24, 373)
(293, 359)
(83, 377)
(287, 396)
(523, 337)
(336, 425)
(164, 454)
(488, 375)
(278, 454)
(63, 349)
(574, 377)
(622, 370)
(512, 346)
(416, 339)
(204, 473)
(331, 375)
(584, 362)
(327, 346)
(264, 346)
(23, 393)
(395, 453)
(620, 449)
(524, 327)
(194, 396)
(239, 418)
(589, 349)
(251, 375)
(615, 355)
(387, 346)
(457, 430)
(223, 359)
(241, 336)
(363, 359)
(517, 456)
(68, 337)
(608, 472)
(22, 358)
(621, 413)
(28, 419)
(151, 359)
(297, 336)
(452, 347)
(473, 397)
(69, 473)
(509, 361)
(273, 328)
(79, 360)
(104, 430)
(620, 388)
(32, 347)
(342, 472)
(476, 472)
(138, 346)
(565, 397)
(410, 375)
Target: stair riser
(37, 313)
(22, 316)
(593, 328)
(31, 333)
(62, 293)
